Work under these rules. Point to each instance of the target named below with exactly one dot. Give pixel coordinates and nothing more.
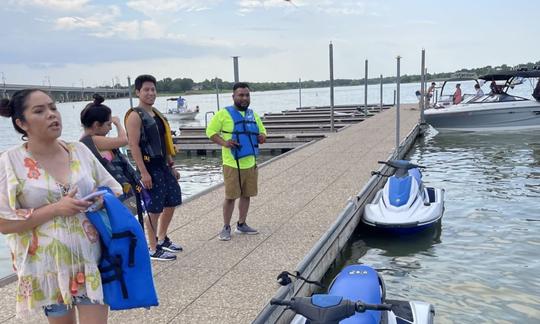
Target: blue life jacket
(245, 133)
(126, 272)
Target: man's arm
(262, 131)
(213, 131)
(220, 141)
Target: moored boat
(496, 111)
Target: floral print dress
(51, 257)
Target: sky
(96, 42)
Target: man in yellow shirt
(239, 131)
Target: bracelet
(171, 164)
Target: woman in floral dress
(55, 249)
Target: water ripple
(482, 265)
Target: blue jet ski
(404, 205)
(357, 296)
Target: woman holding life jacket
(54, 248)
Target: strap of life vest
(116, 266)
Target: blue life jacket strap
(116, 266)
(132, 244)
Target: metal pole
(217, 93)
(236, 74)
(331, 55)
(381, 106)
(82, 89)
(397, 103)
(299, 92)
(4, 81)
(48, 78)
(365, 88)
(130, 94)
(423, 87)
(394, 98)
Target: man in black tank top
(148, 143)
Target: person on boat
(150, 141)
(180, 103)
(97, 121)
(495, 88)
(239, 130)
(54, 247)
(430, 92)
(457, 97)
(479, 92)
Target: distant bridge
(62, 94)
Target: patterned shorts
(165, 190)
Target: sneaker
(169, 246)
(245, 229)
(225, 234)
(162, 255)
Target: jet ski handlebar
(327, 308)
(401, 164)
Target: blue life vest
(126, 272)
(245, 133)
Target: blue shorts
(165, 190)
(59, 310)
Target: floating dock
(287, 130)
(301, 195)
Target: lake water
(481, 266)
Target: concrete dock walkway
(300, 196)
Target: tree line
(186, 84)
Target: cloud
(76, 22)
(134, 29)
(64, 5)
(331, 7)
(157, 6)
(263, 3)
(423, 22)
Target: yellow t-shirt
(222, 121)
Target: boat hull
(181, 116)
(479, 117)
(405, 220)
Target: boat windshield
(496, 98)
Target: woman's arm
(110, 143)
(22, 220)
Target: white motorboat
(496, 111)
(181, 111)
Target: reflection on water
(483, 263)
